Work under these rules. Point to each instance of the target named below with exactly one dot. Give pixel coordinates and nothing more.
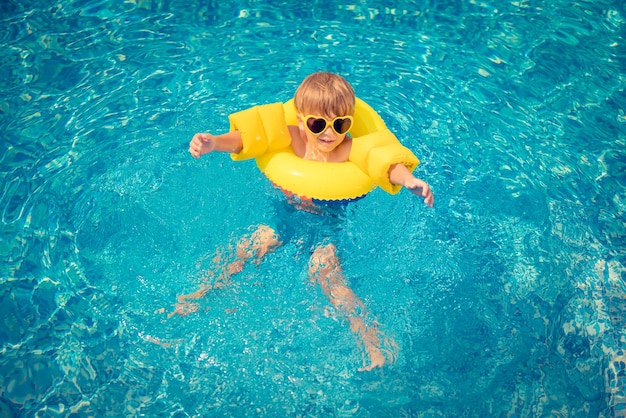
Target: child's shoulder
(297, 143)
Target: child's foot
(377, 359)
(378, 355)
(183, 308)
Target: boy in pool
(328, 96)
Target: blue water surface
(506, 299)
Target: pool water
(507, 299)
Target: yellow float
(374, 150)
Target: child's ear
(300, 122)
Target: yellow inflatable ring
(322, 181)
(315, 180)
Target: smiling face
(323, 96)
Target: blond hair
(325, 92)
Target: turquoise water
(507, 299)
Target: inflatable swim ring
(374, 150)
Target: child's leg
(262, 241)
(324, 268)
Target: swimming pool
(506, 299)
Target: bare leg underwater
(325, 269)
(261, 242)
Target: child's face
(328, 139)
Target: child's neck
(311, 153)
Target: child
(322, 137)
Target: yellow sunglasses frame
(328, 123)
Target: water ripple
(516, 110)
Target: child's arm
(204, 143)
(399, 174)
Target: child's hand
(399, 174)
(201, 144)
(420, 188)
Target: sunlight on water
(507, 299)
